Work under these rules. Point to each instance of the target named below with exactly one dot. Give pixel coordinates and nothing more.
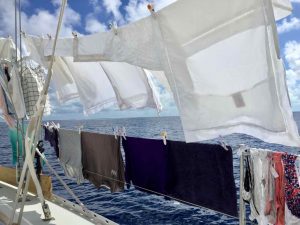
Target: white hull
(63, 211)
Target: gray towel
(70, 153)
(102, 161)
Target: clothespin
(123, 134)
(151, 9)
(116, 132)
(79, 129)
(223, 143)
(23, 33)
(49, 36)
(242, 148)
(74, 33)
(163, 135)
(113, 27)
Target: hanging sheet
(128, 86)
(232, 46)
(131, 86)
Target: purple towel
(146, 163)
(202, 174)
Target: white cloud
(40, 23)
(113, 7)
(92, 25)
(295, 1)
(96, 5)
(137, 9)
(292, 56)
(289, 25)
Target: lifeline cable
(176, 199)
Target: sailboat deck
(63, 211)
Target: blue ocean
(133, 207)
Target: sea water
(133, 207)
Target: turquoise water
(133, 207)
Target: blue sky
(39, 17)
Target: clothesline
(246, 151)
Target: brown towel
(102, 161)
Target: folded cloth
(102, 161)
(146, 164)
(202, 174)
(70, 153)
(51, 135)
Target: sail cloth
(204, 48)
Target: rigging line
(22, 79)
(16, 61)
(61, 180)
(161, 194)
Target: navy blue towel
(202, 174)
(145, 164)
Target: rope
(61, 180)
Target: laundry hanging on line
(51, 135)
(102, 160)
(145, 164)
(275, 187)
(32, 86)
(183, 171)
(16, 140)
(77, 79)
(201, 78)
(70, 153)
